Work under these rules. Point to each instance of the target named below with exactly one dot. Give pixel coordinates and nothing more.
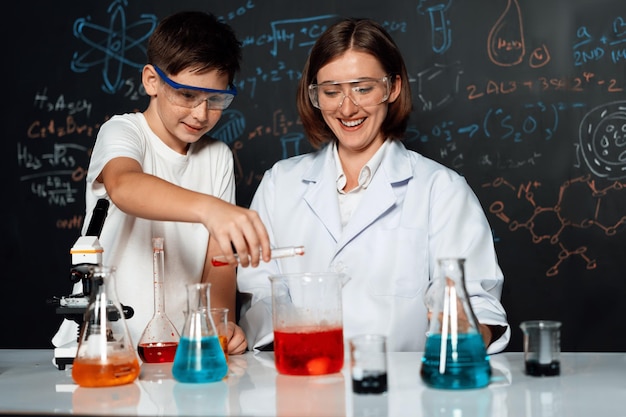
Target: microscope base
(64, 355)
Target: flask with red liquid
(106, 354)
(159, 340)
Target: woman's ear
(396, 87)
(150, 80)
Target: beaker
(159, 339)
(220, 320)
(542, 347)
(106, 354)
(308, 323)
(199, 357)
(455, 356)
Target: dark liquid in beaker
(157, 352)
(535, 368)
(469, 368)
(206, 364)
(370, 384)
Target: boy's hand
(237, 343)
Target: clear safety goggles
(363, 92)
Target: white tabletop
(590, 384)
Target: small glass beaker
(159, 339)
(455, 356)
(368, 354)
(542, 347)
(220, 319)
(199, 357)
(106, 354)
(308, 323)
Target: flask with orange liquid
(106, 355)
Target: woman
(364, 205)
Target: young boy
(165, 178)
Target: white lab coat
(413, 212)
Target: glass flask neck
(158, 268)
(448, 300)
(199, 322)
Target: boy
(164, 178)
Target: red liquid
(157, 352)
(312, 351)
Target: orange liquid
(224, 344)
(113, 371)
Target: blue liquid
(199, 360)
(470, 369)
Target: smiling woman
(351, 197)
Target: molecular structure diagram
(579, 205)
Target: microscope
(86, 253)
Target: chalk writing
(589, 48)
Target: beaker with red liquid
(308, 323)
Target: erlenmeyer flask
(455, 356)
(106, 354)
(199, 357)
(159, 339)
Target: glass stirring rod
(276, 253)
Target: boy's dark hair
(196, 40)
(363, 35)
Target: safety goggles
(191, 97)
(363, 92)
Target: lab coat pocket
(405, 270)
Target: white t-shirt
(127, 240)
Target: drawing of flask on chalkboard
(455, 356)
(505, 43)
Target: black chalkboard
(526, 98)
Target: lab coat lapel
(378, 198)
(381, 194)
(321, 192)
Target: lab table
(590, 384)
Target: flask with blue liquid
(199, 357)
(455, 356)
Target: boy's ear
(150, 79)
